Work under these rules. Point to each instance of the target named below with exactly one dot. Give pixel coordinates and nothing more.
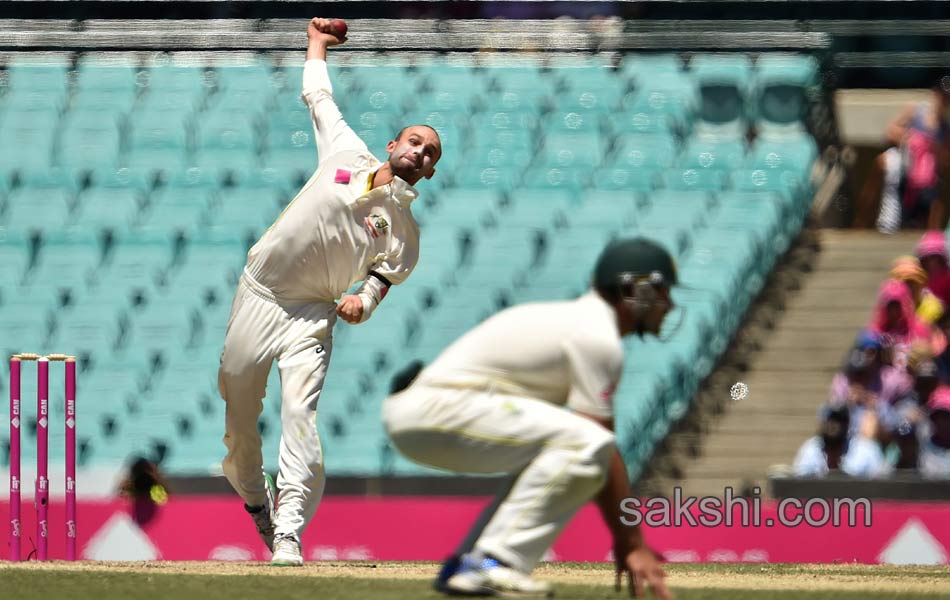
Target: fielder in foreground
(351, 222)
(494, 402)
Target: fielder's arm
(331, 132)
(633, 557)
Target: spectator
(865, 380)
(942, 360)
(833, 449)
(908, 269)
(895, 317)
(931, 250)
(902, 449)
(906, 177)
(935, 443)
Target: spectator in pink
(931, 250)
(895, 316)
(903, 188)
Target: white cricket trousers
(562, 458)
(261, 329)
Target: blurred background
(792, 155)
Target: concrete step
(791, 375)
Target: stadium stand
(127, 227)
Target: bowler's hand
(319, 30)
(350, 308)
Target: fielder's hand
(641, 566)
(350, 308)
(321, 31)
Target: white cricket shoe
(287, 551)
(488, 577)
(264, 516)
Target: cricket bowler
(528, 393)
(351, 222)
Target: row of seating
(133, 269)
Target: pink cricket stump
(70, 459)
(42, 457)
(15, 459)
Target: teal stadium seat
(704, 152)
(14, 262)
(503, 140)
(66, 265)
(87, 145)
(785, 85)
(189, 85)
(136, 263)
(638, 66)
(666, 94)
(633, 179)
(655, 151)
(516, 89)
(676, 208)
(109, 79)
(158, 141)
(547, 176)
(50, 76)
(28, 141)
(706, 180)
(589, 90)
(112, 201)
(723, 83)
(795, 153)
(42, 202)
(224, 143)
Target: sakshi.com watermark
(731, 510)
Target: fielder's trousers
(260, 329)
(560, 458)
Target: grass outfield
(410, 581)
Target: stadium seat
(703, 152)
(552, 176)
(608, 210)
(89, 146)
(43, 201)
(32, 134)
(785, 85)
(50, 78)
(158, 141)
(794, 153)
(633, 179)
(676, 208)
(226, 145)
(113, 79)
(708, 180)
(654, 151)
(637, 65)
(112, 200)
(723, 83)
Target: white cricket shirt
(337, 231)
(567, 353)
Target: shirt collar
(600, 306)
(399, 188)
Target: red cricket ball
(338, 28)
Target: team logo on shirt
(608, 394)
(376, 225)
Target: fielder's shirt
(337, 231)
(566, 353)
